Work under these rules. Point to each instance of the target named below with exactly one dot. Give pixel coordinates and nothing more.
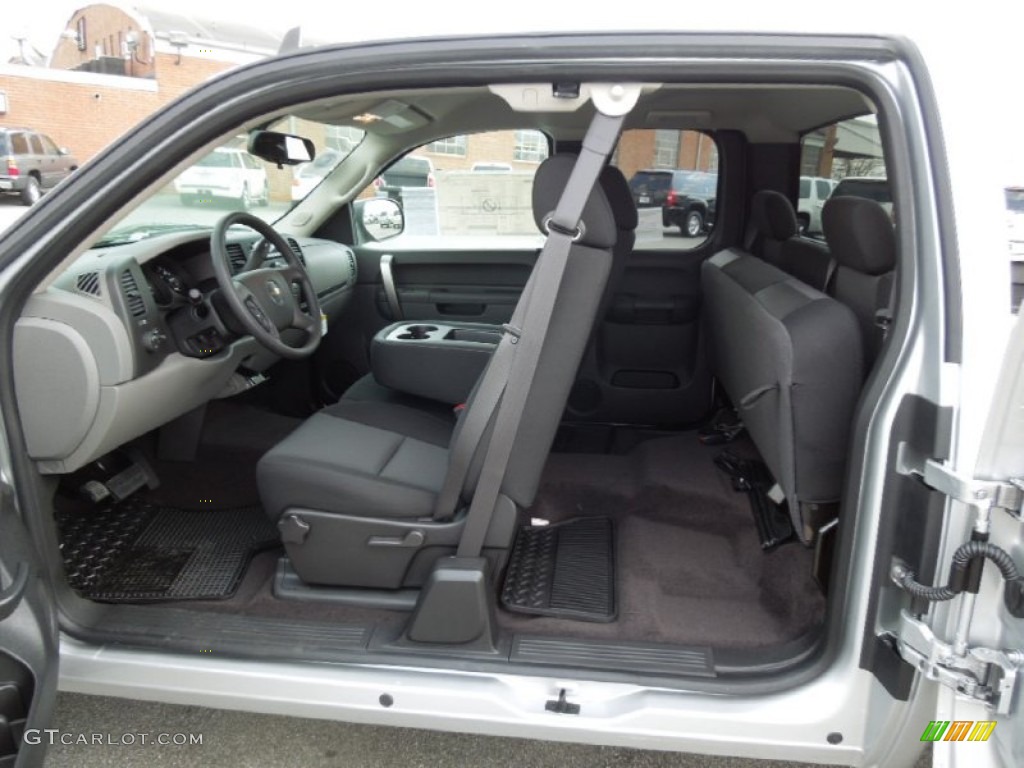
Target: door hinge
(1007, 495)
(983, 674)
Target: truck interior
(676, 480)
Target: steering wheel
(261, 297)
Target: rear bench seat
(777, 241)
(791, 359)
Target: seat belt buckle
(513, 331)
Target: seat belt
(885, 305)
(509, 377)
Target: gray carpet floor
(689, 566)
(689, 571)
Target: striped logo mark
(958, 730)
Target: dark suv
(30, 163)
(687, 198)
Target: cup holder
(413, 332)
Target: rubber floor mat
(139, 552)
(565, 570)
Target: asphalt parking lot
(240, 740)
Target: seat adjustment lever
(411, 539)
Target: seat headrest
(773, 215)
(598, 221)
(860, 234)
(620, 197)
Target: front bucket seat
(354, 489)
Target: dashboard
(132, 336)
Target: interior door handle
(387, 277)
(11, 595)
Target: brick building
(115, 65)
(523, 150)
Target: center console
(438, 361)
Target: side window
(843, 159)
(1015, 221)
(673, 175)
(48, 146)
(19, 143)
(478, 185)
(36, 144)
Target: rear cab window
(480, 185)
(673, 176)
(843, 159)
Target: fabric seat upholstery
(863, 241)
(392, 461)
(358, 476)
(778, 241)
(790, 359)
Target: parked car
(687, 198)
(31, 163)
(225, 174)
(814, 191)
(408, 171)
(489, 167)
(360, 540)
(868, 187)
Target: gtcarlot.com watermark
(55, 736)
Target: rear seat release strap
(506, 384)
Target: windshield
(230, 179)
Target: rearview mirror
(380, 218)
(281, 148)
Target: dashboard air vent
(352, 263)
(88, 282)
(236, 254)
(130, 288)
(294, 245)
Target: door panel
(28, 642)
(435, 283)
(481, 287)
(441, 284)
(646, 362)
